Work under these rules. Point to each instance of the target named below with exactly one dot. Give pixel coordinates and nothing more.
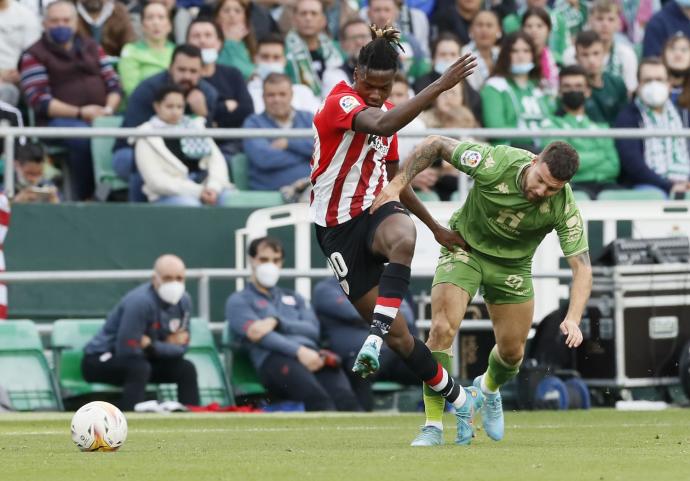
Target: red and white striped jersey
(347, 168)
(4, 225)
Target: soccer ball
(99, 426)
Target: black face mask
(573, 100)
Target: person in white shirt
(270, 58)
(19, 29)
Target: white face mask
(171, 292)
(441, 66)
(209, 55)
(654, 93)
(264, 69)
(267, 274)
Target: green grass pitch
(597, 445)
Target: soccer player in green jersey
(516, 200)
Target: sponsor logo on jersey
(503, 188)
(470, 158)
(544, 208)
(489, 162)
(348, 103)
(380, 144)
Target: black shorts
(348, 250)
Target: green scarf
(300, 63)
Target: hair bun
(388, 33)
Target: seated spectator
(411, 22)
(448, 112)
(270, 58)
(68, 82)
(354, 35)
(537, 24)
(239, 44)
(188, 171)
(107, 22)
(446, 50)
(619, 56)
(485, 31)
(200, 96)
(337, 12)
(558, 38)
(142, 59)
(276, 163)
(599, 164)
(19, 29)
(309, 50)
(511, 97)
(145, 337)
(676, 58)
(280, 331)
(30, 184)
(455, 18)
(414, 55)
(234, 102)
(674, 17)
(345, 331)
(636, 15)
(656, 163)
(609, 94)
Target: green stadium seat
(631, 194)
(67, 341)
(580, 196)
(243, 377)
(24, 370)
(254, 198)
(239, 167)
(213, 383)
(106, 179)
(429, 196)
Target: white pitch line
(335, 428)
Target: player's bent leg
(511, 326)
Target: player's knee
(441, 334)
(512, 354)
(403, 246)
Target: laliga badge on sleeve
(348, 103)
(470, 158)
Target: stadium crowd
(196, 64)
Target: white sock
(485, 388)
(462, 397)
(435, 424)
(378, 342)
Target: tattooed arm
(579, 294)
(432, 148)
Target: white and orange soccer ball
(99, 426)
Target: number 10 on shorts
(339, 268)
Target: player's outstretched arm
(579, 294)
(378, 122)
(432, 148)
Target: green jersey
(497, 220)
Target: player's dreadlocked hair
(382, 52)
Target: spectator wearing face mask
(281, 333)
(656, 163)
(446, 50)
(599, 164)
(145, 337)
(107, 22)
(234, 102)
(189, 171)
(270, 58)
(276, 163)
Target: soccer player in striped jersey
(355, 152)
